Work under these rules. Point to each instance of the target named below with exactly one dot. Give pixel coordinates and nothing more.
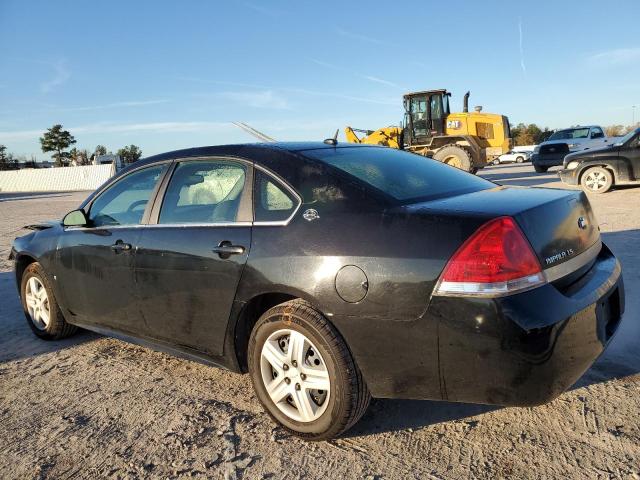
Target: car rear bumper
(528, 348)
(569, 177)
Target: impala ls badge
(582, 223)
(310, 214)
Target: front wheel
(519, 159)
(303, 372)
(456, 156)
(597, 180)
(496, 162)
(540, 169)
(40, 305)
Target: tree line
(531, 134)
(57, 140)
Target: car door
(632, 151)
(95, 262)
(190, 258)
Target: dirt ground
(94, 407)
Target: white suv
(512, 156)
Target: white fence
(55, 179)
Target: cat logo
(455, 124)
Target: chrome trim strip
(488, 290)
(164, 225)
(554, 273)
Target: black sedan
(333, 273)
(598, 170)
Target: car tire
(320, 358)
(456, 156)
(496, 162)
(596, 180)
(540, 169)
(40, 306)
(519, 159)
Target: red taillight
(497, 259)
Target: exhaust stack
(465, 102)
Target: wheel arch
(584, 168)
(249, 314)
(23, 260)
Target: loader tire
(456, 156)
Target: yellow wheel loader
(466, 140)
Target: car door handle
(226, 249)
(120, 246)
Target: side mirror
(76, 218)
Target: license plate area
(608, 314)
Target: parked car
(552, 152)
(333, 273)
(511, 156)
(597, 170)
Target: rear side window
(273, 202)
(406, 177)
(203, 192)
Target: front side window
(124, 202)
(597, 133)
(272, 201)
(204, 192)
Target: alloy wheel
(295, 375)
(595, 181)
(37, 303)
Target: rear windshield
(406, 177)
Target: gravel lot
(91, 406)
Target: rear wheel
(496, 162)
(540, 169)
(519, 159)
(456, 156)
(40, 306)
(303, 372)
(597, 180)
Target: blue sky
(167, 75)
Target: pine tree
(57, 140)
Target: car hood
(592, 153)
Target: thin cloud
(154, 127)
(326, 64)
(263, 99)
(360, 37)
(522, 65)
(615, 57)
(381, 80)
(61, 75)
(293, 90)
(135, 103)
(370, 78)
(263, 10)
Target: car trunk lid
(559, 224)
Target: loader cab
(425, 115)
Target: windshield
(570, 133)
(406, 177)
(626, 138)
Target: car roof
(577, 127)
(249, 150)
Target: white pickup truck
(552, 152)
